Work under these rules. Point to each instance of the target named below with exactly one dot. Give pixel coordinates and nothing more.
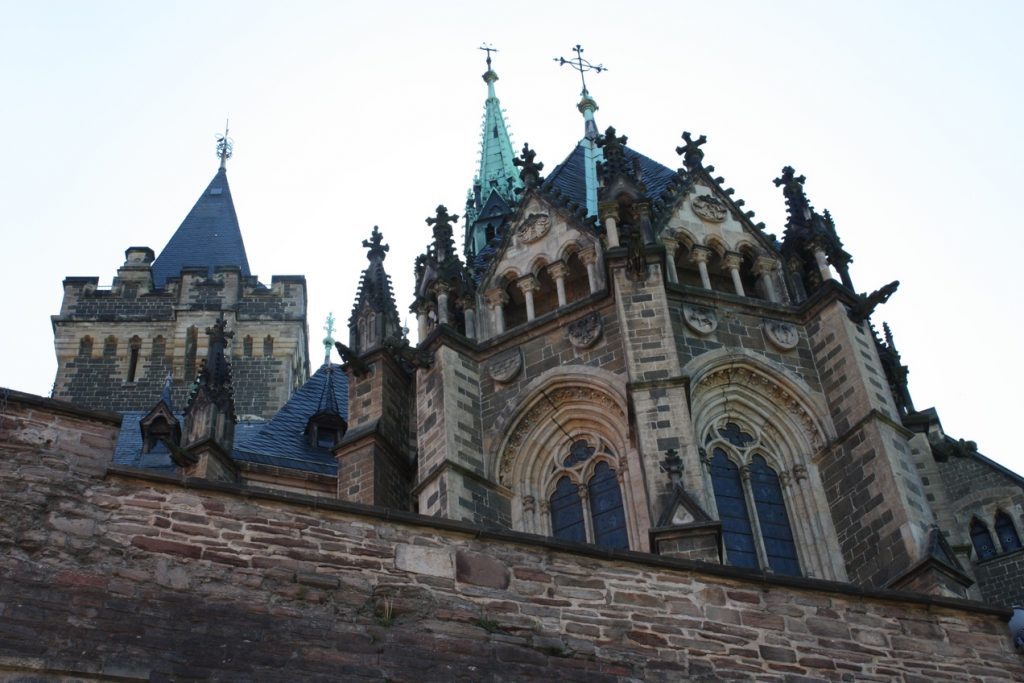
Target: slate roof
(570, 180)
(209, 236)
(281, 442)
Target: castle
(636, 437)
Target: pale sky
(904, 116)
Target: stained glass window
(606, 511)
(732, 510)
(772, 518)
(567, 512)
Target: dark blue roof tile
(208, 237)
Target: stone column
(671, 245)
(422, 323)
(589, 258)
(732, 262)
(527, 285)
(700, 256)
(469, 315)
(609, 215)
(822, 260)
(763, 268)
(441, 290)
(558, 271)
(497, 299)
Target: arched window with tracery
(566, 457)
(1007, 532)
(756, 530)
(602, 520)
(982, 540)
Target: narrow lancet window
(772, 518)
(1007, 532)
(606, 511)
(982, 539)
(737, 534)
(567, 512)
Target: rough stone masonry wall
(144, 578)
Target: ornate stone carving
(700, 319)
(585, 332)
(529, 502)
(534, 227)
(540, 412)
(799, 471)
(782, 335)
(780, 396)
(709, 208)
(506, 365)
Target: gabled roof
(569, 177)
(209, 236)
(283, 441)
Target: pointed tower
(115, 346)
(374, 315)
(497, 184)
(375, 456)
(209, 434)
(588, 146)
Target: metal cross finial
(329, 339)
(581, 65)
(487, 47)
(224, 146)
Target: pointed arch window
(567, 512)
(268, 346)
(756, 530)
(982, 540)
(85, 346)
(1007, 532)
(247, 346)
(602, 520)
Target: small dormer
(160, 426)
(326, 426)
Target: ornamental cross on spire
(329, 339)
(582, 66)
(486, 47)
(225, 146)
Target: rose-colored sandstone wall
(114, 576)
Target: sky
(904, 116)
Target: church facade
(633, 437)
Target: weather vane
(581, 65)
(224, 146)
(488, 48)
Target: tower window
(1007, 532)
(268, 346)
(135, 346)
(85, 346)
(982, 540)
(247, 346)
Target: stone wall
(98, 378)
(130, 576)
(1001, 579)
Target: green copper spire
(497, 173)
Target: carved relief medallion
(700, 319)
(782, 335)
(534, 227)
(506, 365)
(585, 332)
(709, 208)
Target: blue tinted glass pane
(567, 512)
(606, 509)
(982, 540)
(1006, 532)
(732, 509)
(735, 436)
(771, 513)
(578, 452)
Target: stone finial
(209, 433)
(672, 465)
(693, 155)
(376, 250)
(530, 173)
